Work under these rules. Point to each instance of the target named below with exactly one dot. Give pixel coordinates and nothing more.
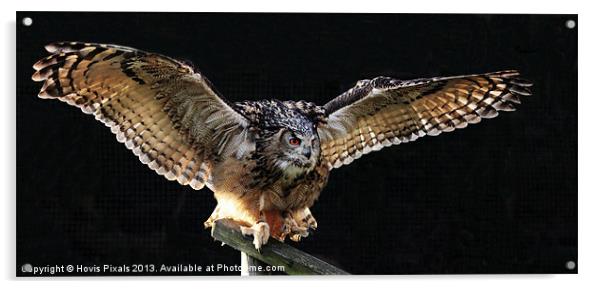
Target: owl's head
(299, 149)
(289, 140)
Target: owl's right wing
(165, 112)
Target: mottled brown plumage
(266, 161)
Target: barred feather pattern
(384, 111)
(165, 112)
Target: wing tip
(52, 47)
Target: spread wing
(384, 111)
(165, 112)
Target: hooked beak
(307, 152)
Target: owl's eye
(294, 141)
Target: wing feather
(165, 112)
(384, 111)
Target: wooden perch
(273, 253)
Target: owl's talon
(293, 229)
(260, 233)
(312, 223)
(286, 229)
(295, 238)
(301, 233)
(214, 216)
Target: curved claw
(302, 233)
(260, 232)
(312, 223)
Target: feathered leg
(252, 221)
(283, 224)
(304, 220)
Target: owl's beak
(307, 152)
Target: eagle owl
(266, 161)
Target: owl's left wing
(384, 111)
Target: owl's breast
(244, 179)
(300, 192)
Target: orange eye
(294, 141)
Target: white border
(589, 142)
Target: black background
(497, 197)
